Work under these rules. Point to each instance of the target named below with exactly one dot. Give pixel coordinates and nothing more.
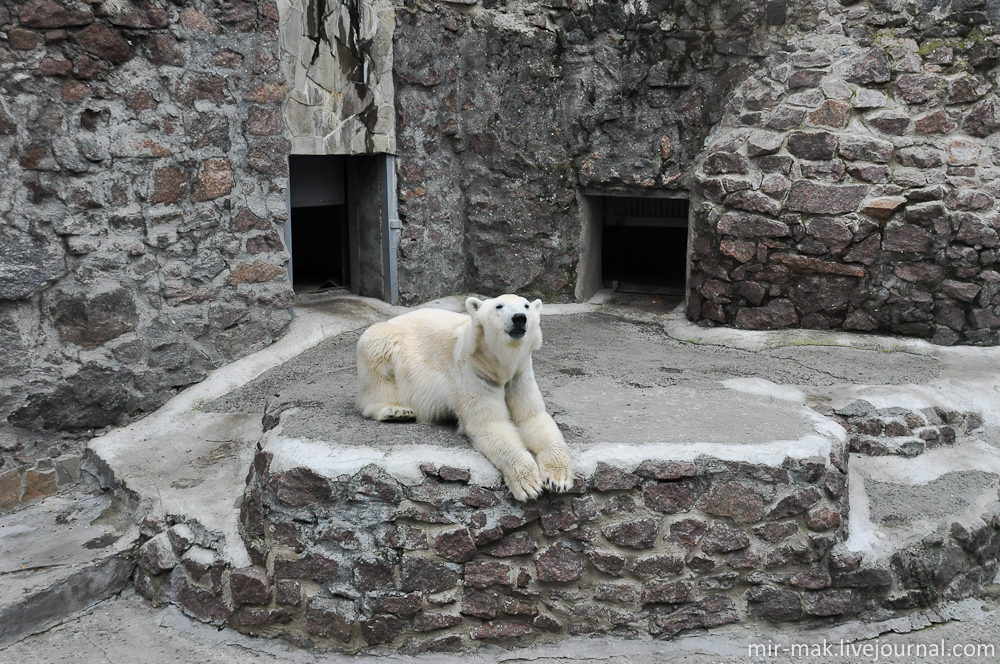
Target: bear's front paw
(393, 413)
(554, 467)
(523, 479)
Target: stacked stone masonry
(853, 181)
(26, 482)
(849, 178)
(364, 562)
(142, 202)
(902, 432)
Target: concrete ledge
(58, 557)
(58, 595)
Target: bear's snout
(518, 323)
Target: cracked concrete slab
(58, 557)
(59, 530)
(862, 366)
(896, 502)
(945, 498)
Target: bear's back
(430, 335)
(430, 321)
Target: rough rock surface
(878, 152)
(502, 114)
(138, 177)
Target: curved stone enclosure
(356, 546)
(703, 496)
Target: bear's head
(508, 319)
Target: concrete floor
(126, 630)
(621, 389)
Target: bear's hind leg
(394, 413)
(377, 397)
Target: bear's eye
(525, 306)
(499, 306)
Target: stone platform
(722, 477)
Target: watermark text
(870, 650)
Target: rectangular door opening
(319, 241)
(644, 244)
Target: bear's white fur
(433, 365)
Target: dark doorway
(321, 248)
(319, 224)
(644, 245)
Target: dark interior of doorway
(320, 248)
(319, 225)
(644, 245)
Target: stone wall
(44, 477)
(853, 181)
(504, 114)
(142, 201)
(849, 181)
(361, 562)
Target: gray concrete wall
(589, 273)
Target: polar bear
(433, 365)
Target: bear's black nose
(519, 319)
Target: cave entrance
(633, 244)
(644, 244)
(343, 229)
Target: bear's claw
(395, 414)
(555, 471)
(524, 482)
(561, 485)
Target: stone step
(59, 556)
(932, 519)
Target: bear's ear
(472, 305)
(537, 305)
